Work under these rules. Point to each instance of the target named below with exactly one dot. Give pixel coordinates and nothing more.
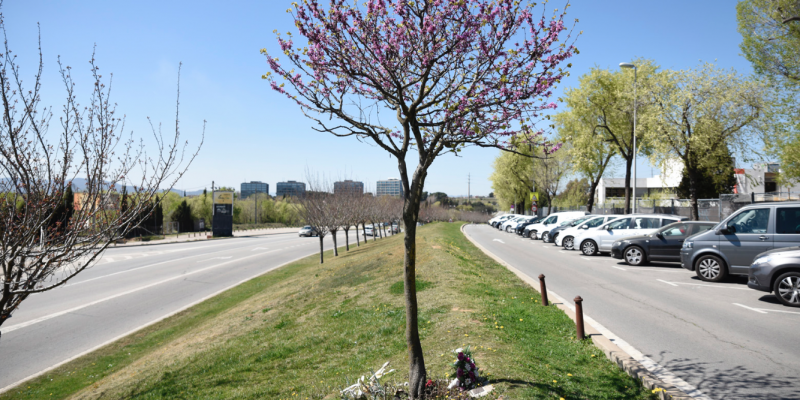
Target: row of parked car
(759, 241)
(369, 230)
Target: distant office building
(348, 187)
(290, 188)
(254, 187)
(389, 187)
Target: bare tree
(42, 248)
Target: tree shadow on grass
(738, 382)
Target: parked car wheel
(711, 268)
(568, 242)
(589, 248)
(526, 234)
(508, 229)
(787, 289)
(634, 255)
(553, 239)
(546, 237)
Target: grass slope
(302, 331)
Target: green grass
(305, 330)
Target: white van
(553, 220)
(494, 222)
(600, 240)
(567, 236)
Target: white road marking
(714, 286)
(668, 283)
(60, 313)
(750, 308)
(109, 259)
(498, 240)
(613, 266)
(260, 248)
(587, 258)
(216, 258)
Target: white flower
(467, 367)
(468, 381)
(458, 350)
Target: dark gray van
(732, 246)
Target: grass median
(305, 330)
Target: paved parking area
(725, 340)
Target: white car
(551, 222)
(567, 236)
(510, 224)
(599, 240)
(494, 222)
(369, 230)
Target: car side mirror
(584, 227)
(608, 228)
(660, 235)
(724, 231)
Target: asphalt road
(725, 340)
(131, 287)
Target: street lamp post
(629, 65)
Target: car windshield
(306, 227)
(595, 222)
(551, 219)
(579, 221)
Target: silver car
(778, 271)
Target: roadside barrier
(543, 290)
(579, 317)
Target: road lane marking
(260, 248)
(60, 313)
(750, 308)
(215, 258)
(613, 266)
(498, 240)
(713, 286)
(668, 283)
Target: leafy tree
(699, 111)
(454, 73)
(590, 153)
(715, 176)
(601, 120)
(183, 216)
(770, 31)
(576, 193)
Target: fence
(708, 209)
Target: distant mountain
(79, 184)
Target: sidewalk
(203, 236)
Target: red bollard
(543, 290)
(579, 317)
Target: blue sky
(253, 133)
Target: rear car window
(788, 221)
(665, 221)
(645, 223)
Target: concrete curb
(601, 341)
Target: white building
(669, 180)
(762, 179)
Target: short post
(543, 289)
(579, 317)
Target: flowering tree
(48, 235)
(453, 73)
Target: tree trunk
(321, 259)
(358, 242)
(335, 247)
(417, 373)
(347, 238)
(693, 180)
(628, 164)
(364, 227)
(592, 189)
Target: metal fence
(708, 209)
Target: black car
(521, 227)
(550, 236)
(778, 271)
(662, 245)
